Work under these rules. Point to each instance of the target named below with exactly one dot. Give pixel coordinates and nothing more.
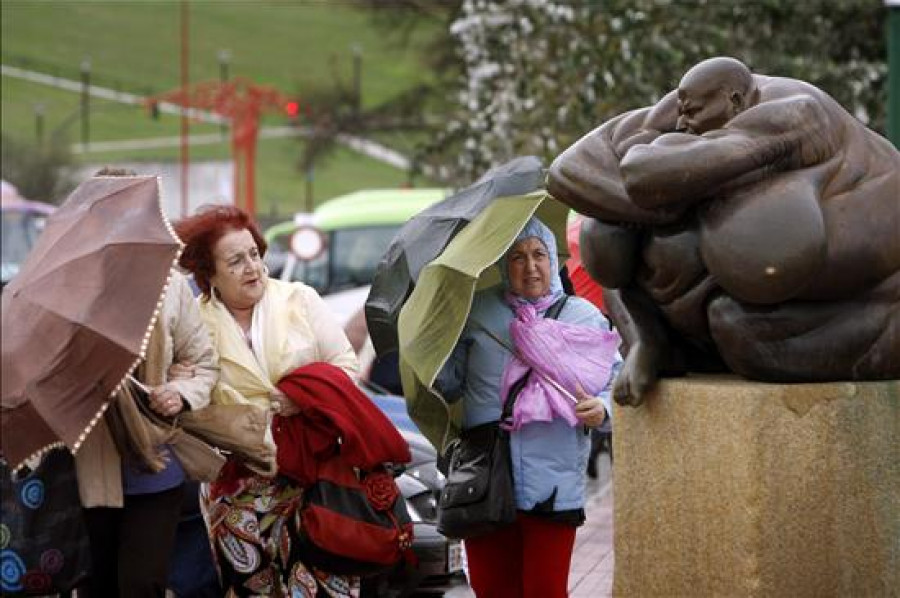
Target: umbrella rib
(65, 226)
(92, 252)
(122, 243)
(66, 318)
(70, 220)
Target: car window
(350, 260)
(314, 272)
(355, 253)
(20, 231)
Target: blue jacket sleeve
(605, 395)
(451, 380)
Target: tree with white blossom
(538, 74)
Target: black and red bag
(354, 522)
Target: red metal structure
(242, 103)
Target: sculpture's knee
(725, 314)
(609, 252)
(735, 336)
(810, 341)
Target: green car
(353, 231)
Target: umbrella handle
(557, 386)
(139, 384)
(163, 421)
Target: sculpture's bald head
(712, 93)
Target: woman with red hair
(263, 329)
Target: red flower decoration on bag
(37, 581)
(380, 490)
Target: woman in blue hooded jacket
(530, 557)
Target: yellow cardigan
(297, 328)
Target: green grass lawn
(62, 111)
(292, 45)
(281, 187)
(135, 46)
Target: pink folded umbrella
(562, 355)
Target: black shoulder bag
(478, 496)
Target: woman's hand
(281, 405)
(165, 401)
(589, 410)
(182, 371)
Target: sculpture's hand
(638, 374)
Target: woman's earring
(265, 269)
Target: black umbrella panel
(426, 235)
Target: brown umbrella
(76, 318)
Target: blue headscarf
(536, 228)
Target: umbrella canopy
(426, 235)
(432, 319)
(77, 317)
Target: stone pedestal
(725, 487)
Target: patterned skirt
(253, 527)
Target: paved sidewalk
(591, 574)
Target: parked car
(22, 223)
(438, 558)
(353, 230)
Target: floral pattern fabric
(253, 530)
(44, 546)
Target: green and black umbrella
(425, 236)
(423, 288)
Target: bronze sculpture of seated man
(744, 223)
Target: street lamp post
(224, 57)
(85, 102)
(357, 80)
(224, 62)
(39, 123)
(309, 200)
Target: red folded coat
(334, 413)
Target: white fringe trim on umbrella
(34, 458)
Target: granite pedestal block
(725, 487)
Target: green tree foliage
(42, 173)
(538, 74)
(335, 110)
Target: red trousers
(528, 559)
